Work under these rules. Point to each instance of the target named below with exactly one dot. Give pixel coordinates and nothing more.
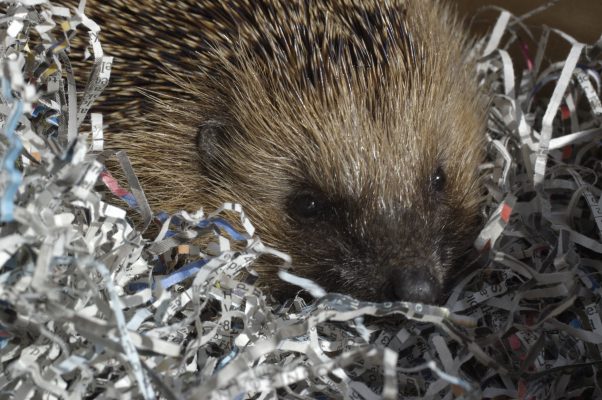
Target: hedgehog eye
(438, 180)
(306, 205)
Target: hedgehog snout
(415, 284)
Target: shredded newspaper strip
(89, 308)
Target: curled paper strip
(89, 308)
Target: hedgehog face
(374, 196)
(363, 171)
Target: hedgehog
(351, 131)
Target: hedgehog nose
(415, 285)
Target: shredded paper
(89, 308)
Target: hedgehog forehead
(342, 144)
(364, 164)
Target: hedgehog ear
(210, 138)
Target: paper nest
(90, 309)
